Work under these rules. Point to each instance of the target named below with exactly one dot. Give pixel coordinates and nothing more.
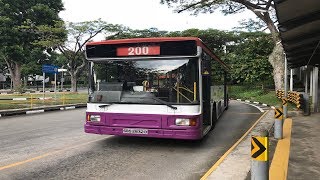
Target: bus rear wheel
(213, 116)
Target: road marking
(46, 154)
(35, 111)
(214, 167)
(260, 109)
(25, 161)
(279, 164)
(243, 113)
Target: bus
(164, 87)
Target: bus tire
(227, 107)
(213, 116)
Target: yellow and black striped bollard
(260, 155)
(278, 123)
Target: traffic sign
(259, 148)
(49, 69)
(278, 113)
(284, 101)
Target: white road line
(35, 111)
(19, 99)
(70, 107)
(260, 109)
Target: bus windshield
(147, 81)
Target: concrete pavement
(304, 161)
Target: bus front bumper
(191, 134)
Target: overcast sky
(145, 14)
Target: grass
(54, 99)
(257, 94)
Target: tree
(247, 52)
(248, 58)
(27, 27)
(127, 33)
(73, 49)
(263, 9)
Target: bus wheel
(227, 107)
(213, 116)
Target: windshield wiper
(164, 102)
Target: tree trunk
(276, 59)
(16, 77)
(73, 82)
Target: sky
(145, 14)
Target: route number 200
(136, 51)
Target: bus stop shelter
(299, 27)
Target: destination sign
(170, 48)
(138, 51)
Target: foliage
(78, 35)
(250, 25)
(126, 33)
(253, 93)
(28, 28)
(263, 9)
(248, 58)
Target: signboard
(138, 51)
(259, 148)
(140, 48)
(49, 69)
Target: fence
(18, 101)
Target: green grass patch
(54, 99)
(257, 94)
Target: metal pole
(311, 82)
(55, 86)
(306, 82)
(291, 79)
(285, 109)
(62, 81)
(11, 84)
(43, 88)
(315, 88)
(260, 155)
(278, 123)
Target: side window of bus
(217, 88)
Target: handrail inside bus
(188, 90)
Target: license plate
(134, 131)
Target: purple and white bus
(172, 87)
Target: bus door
(206, 84)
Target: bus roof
(162, 39)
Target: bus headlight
(93, 118)
(185, 122)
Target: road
(53, 146)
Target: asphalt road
(53, 146)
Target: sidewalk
(304, 160)
(296, 156)
(21, 111)
(237, 163)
